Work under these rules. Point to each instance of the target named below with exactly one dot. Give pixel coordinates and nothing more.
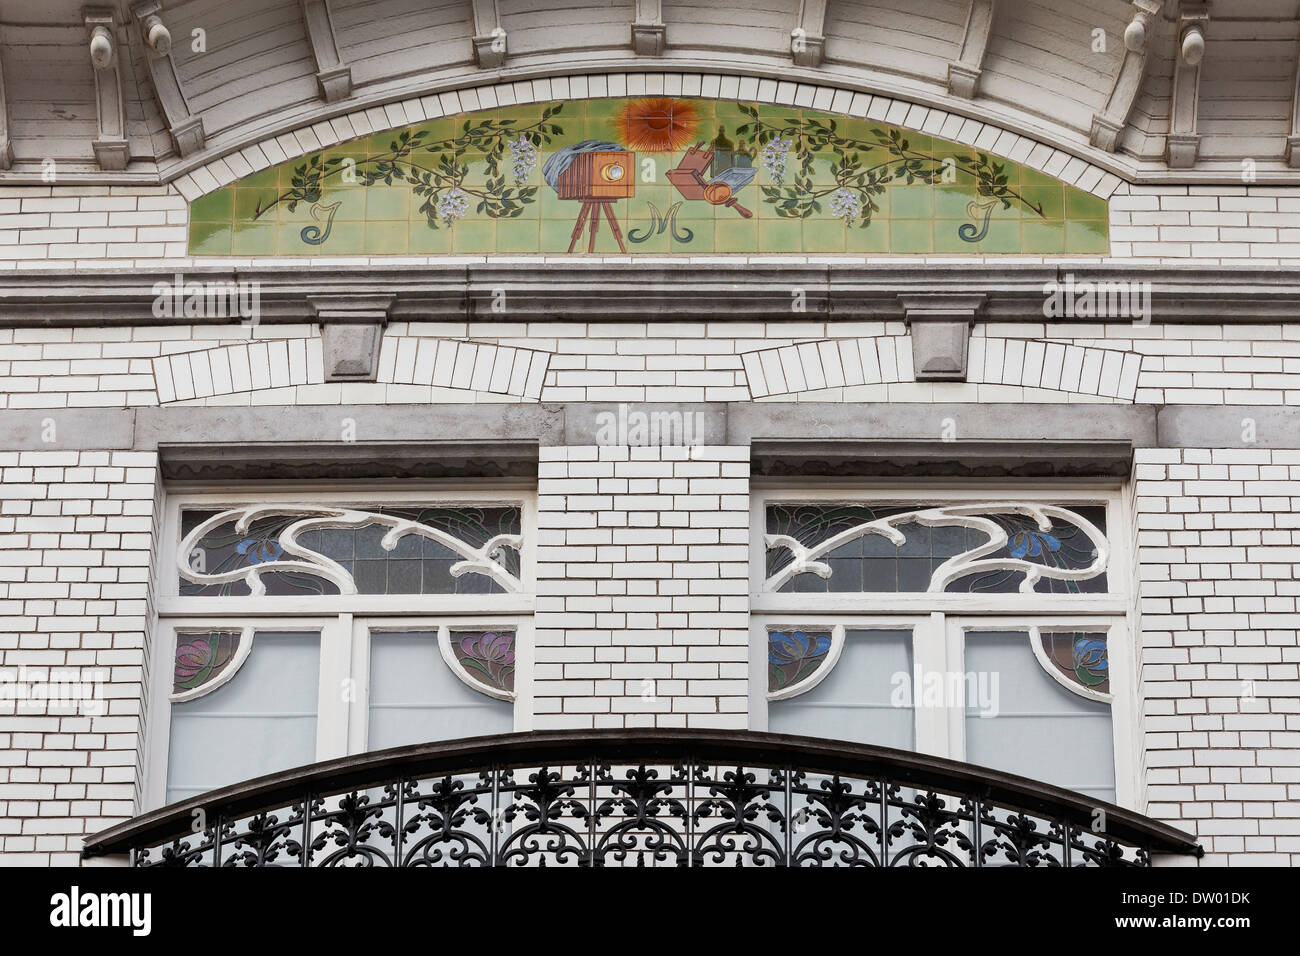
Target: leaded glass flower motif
(489, 656)
(794, 655)
(202, 657)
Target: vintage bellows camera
(598, 175)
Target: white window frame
(344, 621)
(939, 620)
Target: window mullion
(336, 688)
(954, 638)
(928, 664)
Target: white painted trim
(839, 625)
(922, 602)
(940, 620)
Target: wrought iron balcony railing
(641, 797)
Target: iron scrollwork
(681, 813)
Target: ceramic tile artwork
(658, 176)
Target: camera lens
(611, 172)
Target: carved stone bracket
(489, 36)
(808, 39)
(940, 327)
(111, 148)
(352, 329)
(964, 72)
(648, 30)
(6, 147)
(332, 74)
(1184, 141)
(1109, 123)
(186, 130)
(1293, 140)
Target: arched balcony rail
(641, 797)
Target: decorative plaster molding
(352, 328)
(1293, 140)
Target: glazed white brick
(109, 611)
(1217, 654)
(655, 622)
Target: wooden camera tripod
(591, 210)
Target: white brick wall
(76, 530)
(1254, 225)
(1219, 558)
(642, 613)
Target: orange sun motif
(660, 125)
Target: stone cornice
(537, 290)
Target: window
(974, 624)
(305, 627)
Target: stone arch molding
(887, 360)
(472, 367)
(307, 212)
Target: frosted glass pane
(853, 702)
(261, 721)
(415, 697)
(1041, 730)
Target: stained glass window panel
(415, 565)
(1081, 656)
(202, 656)
(794, 655)
(488, 656)
(852, 558)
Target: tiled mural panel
(648, 176)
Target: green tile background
(379, 220)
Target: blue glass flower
(259, 551)
(1090, 663)
(1032, 543)
(795, 647)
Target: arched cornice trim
(996, 133)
